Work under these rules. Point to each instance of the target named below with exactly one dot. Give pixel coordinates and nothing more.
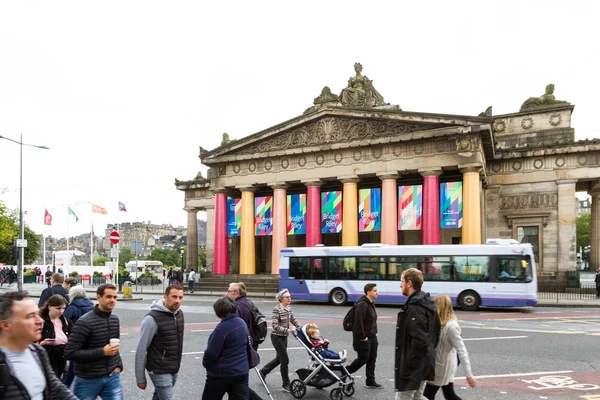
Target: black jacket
(14, 388)
(365, 319)
(597, 278)
(417, 335)
(51, 291)
(86, 344)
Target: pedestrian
(79, 304)
(226, 355)
(160, 347)
(179, 276)
(57, 287)
(449, 350)
(283, 322)
(48, 276)
(25, 370)
(417, 335)
(55, 332)
(11, 276)
(191, 280)
(69, 283)
(38, 273)
(94, 347)
(364, 336)
(598, 284)
(170, 276)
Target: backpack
(348, 322)
(258, 324)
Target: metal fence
(550, 290)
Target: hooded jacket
(365, 319)
(78, 308)
(417, 335)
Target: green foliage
(147, 274)
(124, 256)
(9, 231)
(123, 272)
(98, 273)
(29, 272)
(74, 274)
(166, 256)
(583, 230)
(100, 261)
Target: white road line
(524, 374)
(497, 338)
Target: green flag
(73, 212)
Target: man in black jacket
(98, 364)
(25, 371)
(417, 335)
(364, 335)
(56, 288)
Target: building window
(530, 234)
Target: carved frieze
(336, 130)
(529, 201)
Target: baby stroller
(321, 372)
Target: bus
(500, 273)
(142, 266)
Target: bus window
(438, 269)
(299, 268)
(513, 269)
(337, 269)
(471, 268)
(317, 268)
(371, 268)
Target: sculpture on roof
(360, 91)
(546, 99)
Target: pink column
(431, 205)
(279, 224)
(221, 262)
(389, 207)
(313, 213)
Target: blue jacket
(227, 354)
(77, 308)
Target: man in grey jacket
(25, 371)
(160, 347)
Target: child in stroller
(321, 345)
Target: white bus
(155, 267)
(500, 273)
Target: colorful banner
(234, 217)
(331, 212)
(263, 215)
(369, 210)
(296, 214)
(410, 207)
(451, 205)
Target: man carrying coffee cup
(94, 348)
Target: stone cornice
(192, 184)
(537, 110)
(545, 162)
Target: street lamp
(20, 247)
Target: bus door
(512, 274)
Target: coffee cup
(115, 341)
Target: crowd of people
(65, 340)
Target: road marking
(497, 338)
(524, 374)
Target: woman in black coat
(55, 332)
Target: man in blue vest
(160, 347)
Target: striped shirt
(281, 320)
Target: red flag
(47, 218)
(98, 210)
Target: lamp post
(20, 247)
(182, 251)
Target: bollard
(127, 290)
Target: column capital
(349, 178)
(219, 190)
(311, 182)
(471, 167)
(566, 181)
(434, 171)
(278, 185)
(246, 188)
(388, 175)
(192, 209)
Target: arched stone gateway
(352, 169)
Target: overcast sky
(124, 92)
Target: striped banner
(410, 206)
(234, 217)
(369, 210)
(263, 215)
(331, 212)
(296, 214)
(451, 205)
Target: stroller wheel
(348, 389)
(336, 394)
(297, 388)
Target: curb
(563, 305)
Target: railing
(560, 291)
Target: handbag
(253, 356)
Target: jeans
(235, 386)
(280, 345)
(447, 390)
(107, 387)
(163, 386)
(329, 354)
(70, 375)
(412, 394)
(366, 353)
(191, 285)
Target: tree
(9, 231)
(166, 256)
(100, 261)
(124, 256)
(583, 230)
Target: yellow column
(471, 215)
(350, 210)
(279, 224)
(247, 251)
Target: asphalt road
(515, 353)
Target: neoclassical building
(353, 169)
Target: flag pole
(92, 237)
(118, 229)
(67, 227)
(44, 254)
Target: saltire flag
(69, 211)
(47, 218)
(122, 207)
(98, 210)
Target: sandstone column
(471, 229)
(221, 262)
(313, 212)
(431, 205)
(567, 214)
(192, 239)
(279, 223)
(389, 207)
(209, 250)
(350, 210)
(247, 250)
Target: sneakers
(373, 385)
(286, 388)
(342, 354)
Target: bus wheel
(469, 301)
(338, 297)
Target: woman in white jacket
(446, 360)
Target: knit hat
(281, 294)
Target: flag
(47, 218)
(72, 213)
(98, 210)
(122, 207)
